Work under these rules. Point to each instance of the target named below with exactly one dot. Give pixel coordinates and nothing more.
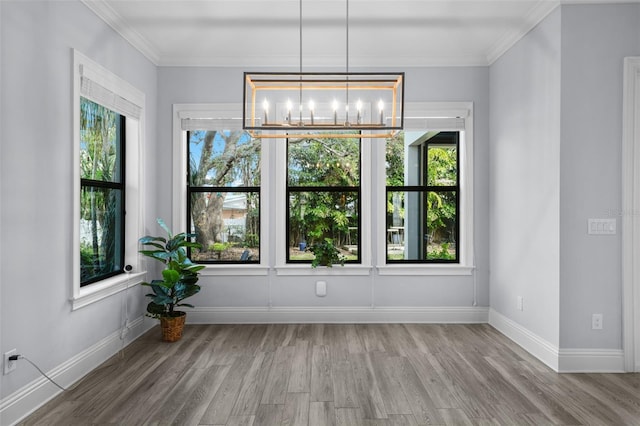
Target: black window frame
(217, 189)
(424, 189)
(112, 185)
(333, 189)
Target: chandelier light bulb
(311, 105)
(265, 106)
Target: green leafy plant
(179, 277)
(442, 254)
(218, 248)
(326, 254)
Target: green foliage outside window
(102, 189)
(323, 182)
(426, 183)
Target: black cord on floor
(41, 372)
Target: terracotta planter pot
(172, 326)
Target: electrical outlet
(596, 322)
(520, 303)
(9, 366)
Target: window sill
(307, 270)
(425, 269)
(106, 288)
(235, 270)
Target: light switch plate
(602, 226)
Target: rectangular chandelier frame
(277, 105)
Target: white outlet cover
(9, 366)
(596, 322)
(520, 303)
(321, 288)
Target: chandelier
(285, 104)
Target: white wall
(210, 85)
(525, 180)
(36, 181)
(595, 39)
(556, 133)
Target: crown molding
(105, 12)
(540, 11)
(323, 61)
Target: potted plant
(179, 278)
(326, 254)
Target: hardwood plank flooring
(338, 374)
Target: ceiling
(267, 33)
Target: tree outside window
(223, 194)
(102, 186)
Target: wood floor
(339, 374)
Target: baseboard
(545, 351)
(257, 315)
(591, 361)
(29, 398)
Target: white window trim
(83, 296)
(416, 117)
(229, 114)
(282, 267)
(630, 214)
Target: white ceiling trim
(540, 11)
(290, 62)
(115, 21)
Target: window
(323, 196)
(223, 195)
(108, 118)
(343, 188)
(102, 192)
(423, 190)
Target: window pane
(442, 165)
(324, 162)
(223, 159)
(404, 225)
(101, 230)
(227, 224)
(441, 225)
(100, 143)
(395, 160)
(314, 216)
(421, 226)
